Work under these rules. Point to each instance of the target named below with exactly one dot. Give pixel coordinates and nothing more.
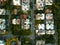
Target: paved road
(56, 36)
(33, 22)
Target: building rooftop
(2, 11)
(2, 24)
(40, 42)
(25, 5)
(40, 16)
(16, 2)
(49, 26)
(41, 26)
(15, 21)
(48, 11)
(40, 32)
(49, 21)
(24, 16)
(48, 2)
(50, 31)
(49, 16)
(40, 4)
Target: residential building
(49, 26)
(2, 24)
(25, 5)
(40, 16)
(15, 11)
(40, 4)
(50, 31)
(48, 11)
(26, 27)
(49, 16)
(16, 2)
(48, 2)
(40, 32)
(26, 24)
(15, 21)
(41, 26)
(27, 21)
(18, 21)
(3, 2)
(24, 16)
(49, 21)
(40, 42)
(2, 11)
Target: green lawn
(15, 29)
(56, 8)
(39, 22)
(50, 39)
(26, 41)
(25, 32)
